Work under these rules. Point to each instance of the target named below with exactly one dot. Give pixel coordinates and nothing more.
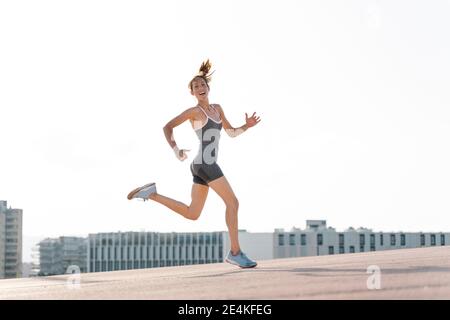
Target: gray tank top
(209, 137)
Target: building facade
(136, 250)
(57, 255)
(10, 241)
(318, 240)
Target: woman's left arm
(234, 132)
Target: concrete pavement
(422, 273)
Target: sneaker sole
(132, 193)
(237, 264)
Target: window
(392, 239)
(208, 238)
(135, 253)
(341, 249)
(281, 239)
(206, 252)
(149, 239)
(188, 239)
(372, 248)
(181, 239)
(372, 240)
(381, 240)
(169, 240)
(422, 239)
(433, 239)
(102, 254)
(136, 239)
(292, 239)
(403, 240)
(200, 252)
(201, 239)
(361, 249)
(352, 249)
(319, 239)
(162, 240)
(194, 239)
(92, 254)
(362, 240)
(303, 239)
(442, 239)
(214, 238)
(341, 239)
(330, 250)
(167, 253)
(220, 252)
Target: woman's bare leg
(198, 194)
(224, 190)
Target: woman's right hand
(180, 154)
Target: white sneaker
(142, 192)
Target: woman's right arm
(168, 131)
(168, 128)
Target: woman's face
(200, 89)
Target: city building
(10, 241)
(318, 240)
(57, 255)
(135, 250)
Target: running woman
(207, 121)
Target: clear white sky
(353, 98)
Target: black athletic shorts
(205, 173)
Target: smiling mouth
(203, 93)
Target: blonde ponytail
(203, 73)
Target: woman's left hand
(251, 121)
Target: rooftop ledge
(422, 273)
